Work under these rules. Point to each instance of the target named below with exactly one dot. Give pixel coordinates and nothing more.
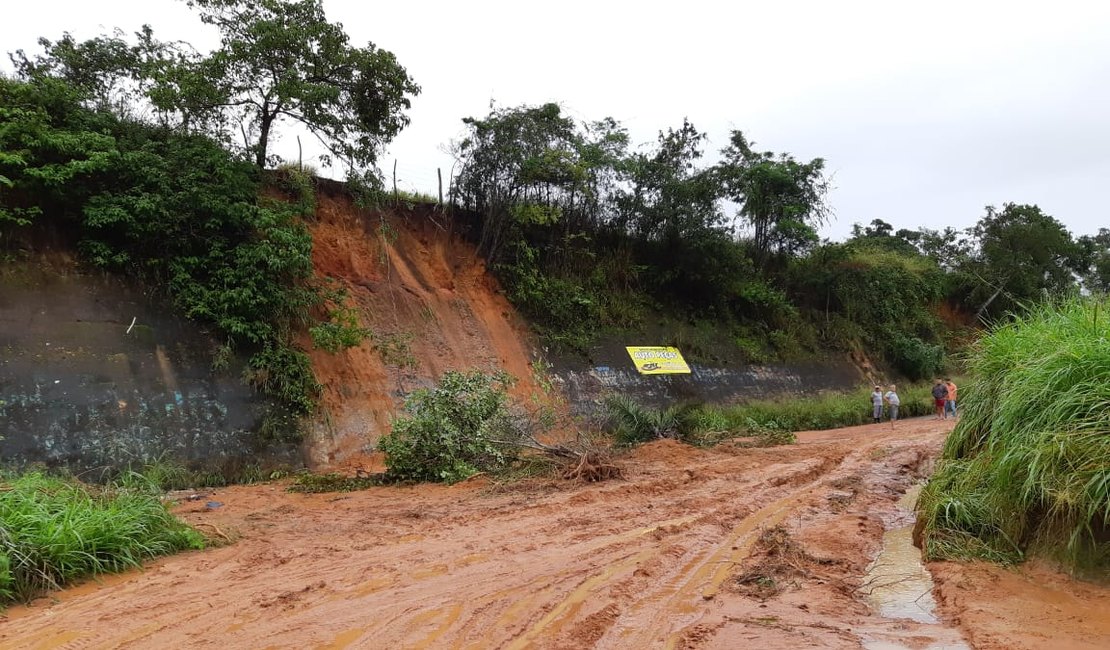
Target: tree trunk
(997, 291)
(263, 138)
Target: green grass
(308, 483)
(54, 531)
(771, 422)
(806, 412)
(164, 474)
(1027, 469)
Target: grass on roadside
(825, 410)
(1027, 469)
(164, 474)
(769, 422)
(309, 483)
(54, 531)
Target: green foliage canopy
(282, 59)
(782, 200)
(277, 60)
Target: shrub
(451, 431)
(633, 423)
(565, 311)
(342, 330)
(1027, 468)
(915, 358)
(54, 531)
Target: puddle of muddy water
(900, 587)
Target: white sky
(925, 112)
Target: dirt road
(686, 552)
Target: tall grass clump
(1027, 469)
(54, 531)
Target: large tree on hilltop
(1023, 254)
(669, 196)
(278, 60)
(1095, 255)
(781, 199)
(534, 166)
(282, 59)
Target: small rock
(212, 505)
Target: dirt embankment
(1023, 608)
(431, 304)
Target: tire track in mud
(645, 619)
(626, 564)
(590, 566)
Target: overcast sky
(925, 112)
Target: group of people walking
(944, 399)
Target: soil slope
(431, 305)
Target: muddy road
(718, 548)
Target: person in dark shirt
(940, 396)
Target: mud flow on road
(720, 548)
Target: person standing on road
(877, 405)
(892, 399)
(940, 396)
(950, 403)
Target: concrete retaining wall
(84, 388)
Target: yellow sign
(658, 360)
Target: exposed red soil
(1032, 606)
(651, 561)
(415, 283)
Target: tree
(950, 248)
(532, 166)
(782, 200)
(148, 80)
(278, 60)
(881, 234)
(1095, 255)
(282, 59)
(1023, 253)
(670, 198)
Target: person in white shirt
(892, 399)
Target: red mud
(651, 561)
(1032, 606)
(414, 283)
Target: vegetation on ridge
(128, 149)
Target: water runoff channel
(898, 586)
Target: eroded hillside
(432, 307)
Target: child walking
(950, 403)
